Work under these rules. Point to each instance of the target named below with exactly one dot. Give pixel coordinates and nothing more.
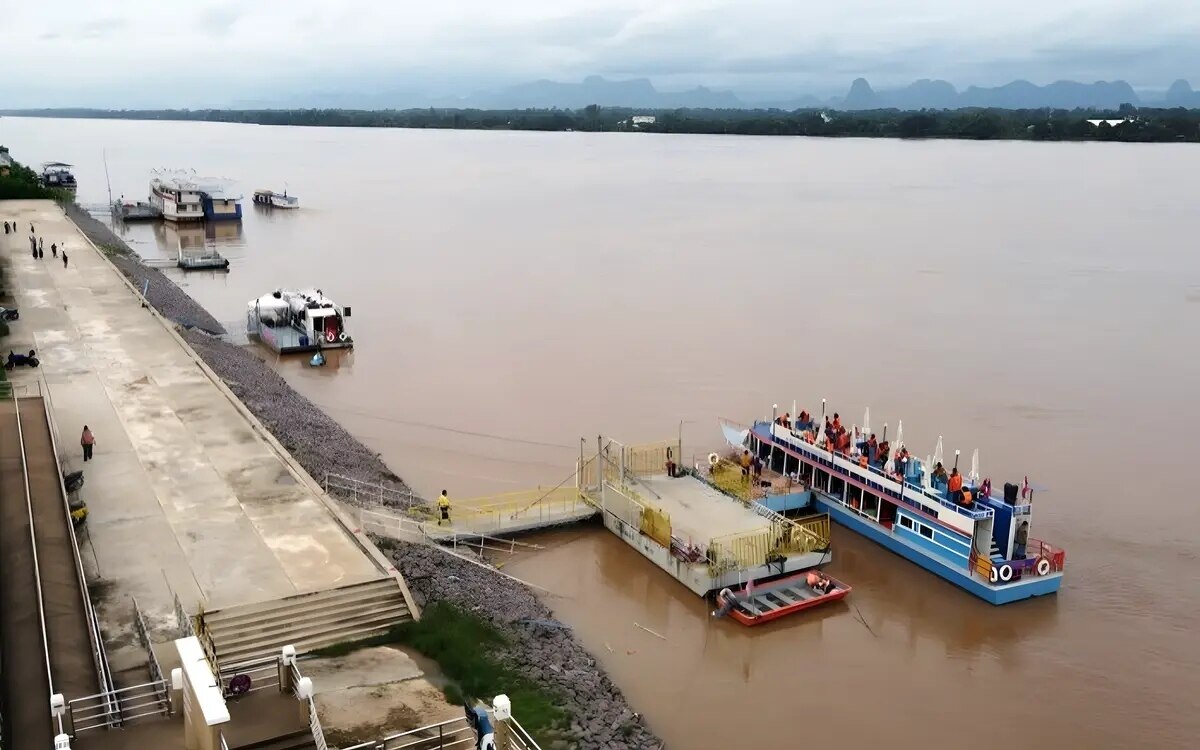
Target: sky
(126, 53)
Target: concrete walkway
(183, 493)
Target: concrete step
(302, 645)
(298, 740)
(306, 621)
(333, 608)
(250, 611)
(304, 625)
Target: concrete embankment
(602, 719)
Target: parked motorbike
(21, 360)
(73, 481)
(9, 313)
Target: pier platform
(704, 537)
(189, 496)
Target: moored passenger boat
(301, 321)
(950, 524)
(177, 197)
(276, 200)
(57, 174)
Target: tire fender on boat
(1006, 572)
(713, 459)
(995, 575)
(342, 336)
(1043, 566)
(330, 337)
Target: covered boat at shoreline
(276, 200)
(303, 321)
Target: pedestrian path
(187, 493)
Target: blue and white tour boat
(951, 525)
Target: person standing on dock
(54, 249)
(6, 227)
(88, 441)
(443, 504)
(64, 258)
(41, 245)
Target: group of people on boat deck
(873, 453)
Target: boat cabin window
(906, 522)
(925, 531)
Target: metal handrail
(524, 740)
(344, 484)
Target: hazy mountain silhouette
(1181, 95)
(636, 92)
(926, 94)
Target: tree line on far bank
(1135, 124)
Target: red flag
(1025, 488)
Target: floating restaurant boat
(981, 545)
(177, 197)
(276, 200)
(219, 204)
(759, 603)
(301, 321)
(56, 174)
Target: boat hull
(837, 593)
(1001, 594)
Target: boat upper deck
(700, 512)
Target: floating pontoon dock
(703, 536)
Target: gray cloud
(456, 47)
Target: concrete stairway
(306, 621)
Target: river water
(1039, 302)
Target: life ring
(342, 336)
(713, 459)
(330, 336)
(1006, 572)
(1043, 566)
(995, 576)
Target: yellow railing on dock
(749, 549)
(515, 508)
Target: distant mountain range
(640, 93)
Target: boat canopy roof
(52, 164)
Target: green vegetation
(23, 182)
(462, 644)
(1144, 124)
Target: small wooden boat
(771, 600)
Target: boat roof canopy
(49, 164)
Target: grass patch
(336, 650)
(461, 643)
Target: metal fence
(156, 674)
(366, 494)
(454, 733)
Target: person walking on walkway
(64, 258)
(54, 249)
(88, 441)
(6, 227)
(41, 253)
(443, 508)
(41, 244)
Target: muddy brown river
(514, 292)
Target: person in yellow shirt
(443, 504)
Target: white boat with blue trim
(949, 524)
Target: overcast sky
(213, 52)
